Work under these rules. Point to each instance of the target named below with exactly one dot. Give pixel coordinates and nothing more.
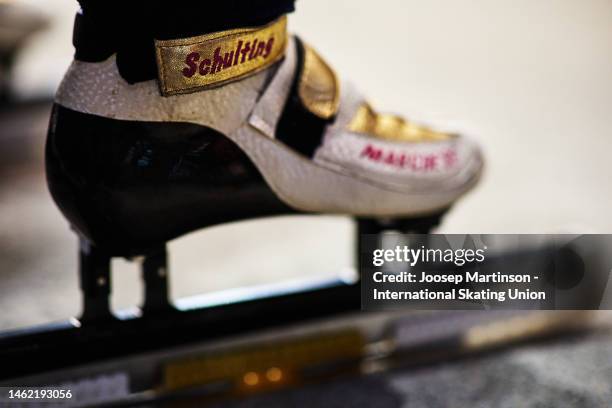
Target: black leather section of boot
(128, 186)
(297, 127)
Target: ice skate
(236, 124)
(175, 117)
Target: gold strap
(319, 88)
(196, 63)
(391, 127)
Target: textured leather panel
(319, 186)
(97, 88)
(410, 166)
(128, 186)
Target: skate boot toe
(359, 161)
(431, 168)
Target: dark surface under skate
(575, 372)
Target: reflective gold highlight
(318, 87)
(392, 127)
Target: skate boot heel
(114, 180)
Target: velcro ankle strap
(191, 64)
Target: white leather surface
(342, 149)
(328, 188)
(97, 88)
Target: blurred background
(531, 80)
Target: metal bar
(95, 277)
(155, 277)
